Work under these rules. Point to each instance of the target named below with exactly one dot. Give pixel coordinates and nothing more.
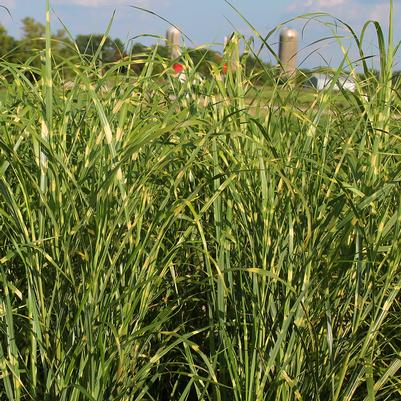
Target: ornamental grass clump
(234, 248)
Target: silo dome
(172, 31)
(289, 33)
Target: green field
(162, 240)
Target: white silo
(173, 37)
(288, 50)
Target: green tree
(62, 47)
(33, 34)
(202, 58)
(32, 29)
(138, 54)
(32, 44)
(7, 45)
(111, 50)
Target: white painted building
(323, 81)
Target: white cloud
(7, 3)
(112, 3)
(353, 11)
(92, 3)
(379, 12)
(323, 4)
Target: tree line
(32, 43)
(29, 48)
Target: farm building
(323, 81)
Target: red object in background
(225, 68)
(178, 68)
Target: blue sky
(206, 21)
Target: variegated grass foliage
(168, 241)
